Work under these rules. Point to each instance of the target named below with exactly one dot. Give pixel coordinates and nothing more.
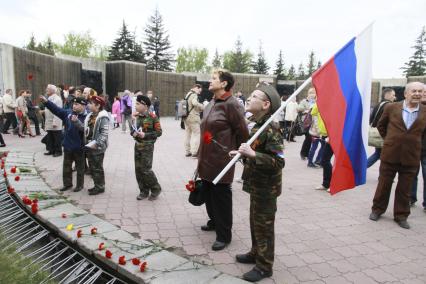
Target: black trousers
(10, 119)
(33, 117)
(54, 139)
(326, 165)
(219, 209)
(306, 146)
(69, 158)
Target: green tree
(32, 44)
(100, 52)
(238, 61)
(77, 44)
(301, 75)
(157, 44)
(47, 47)
(311, 67)
(319, 65)
(217, 60)
(291, 73)
(280, 67)
(260, 66)
(416, 66)
(123, 47)
(192, 60)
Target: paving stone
(223, 278)
(304, 273)
(182, 275)
(324, 269)
(359, 278)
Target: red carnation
(35, 200)
(79, 233)
(143, 266)
(64, 215)
(2, 166)
(13, 170)
(207, 137)
(101, 246)
(10, 190)
(5, 174)
(5, 154)
(94, 231)
(136, 261)
(17, 178)
(122, 260)
(26, 200)
(34, 208)
(108, 254)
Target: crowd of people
(77, 122)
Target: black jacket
(375, 118)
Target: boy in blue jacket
(72, 140)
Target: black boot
(256, 274)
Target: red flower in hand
(10, 190)
(190, 186)
(94, 231)
(143, 266)
(136, 261)
(79, 233)
(207, 137)
(101, 246)
(122, 260)
(13, 170)
(17, 178)
(108, 254)
(34, 208)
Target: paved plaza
(319, 238)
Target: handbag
(197, 194)
(374, 138)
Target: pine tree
(216, 62)
(280, 69)
(122, 47)
(32, 44)
(238, 61)
(49, 48)
(416, 66)
(319, 65)
(311, 64)
(301, 75)
(260, 66)
(291, 73)
(138, 55)
(157, 44)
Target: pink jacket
(116, 111)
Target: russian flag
(343, 87)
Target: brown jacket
(401, 146)
(224, 119)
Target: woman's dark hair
(225, 75)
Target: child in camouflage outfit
(145, 132)
(263, 164)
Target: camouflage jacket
(262, 175)
(150, 125)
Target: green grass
(11, 268)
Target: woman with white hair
(53, 124)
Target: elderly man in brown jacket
(402, 126)
(223, 129)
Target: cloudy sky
(295, 27)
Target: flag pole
(258, 132)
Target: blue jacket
(73, 137)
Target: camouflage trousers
(70, 157)
(262, 222)
(147, 181)
(96, 166)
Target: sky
(295, 27)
